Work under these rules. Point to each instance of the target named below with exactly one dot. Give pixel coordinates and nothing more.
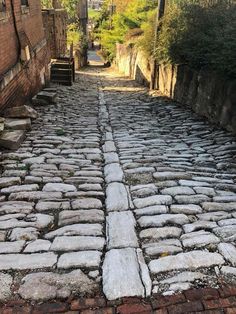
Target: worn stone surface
(24, 261)
(86, 203)
(117, 197)
(21, 112)
(12, 139)
(121, 274)
(113, 173)
(153, 200)
(85, 259)
(5, 287)
(188, 261)
(67, 217)
(59, 187)
(161, 233)
(198, 239)
(228, 250)
(76, 229)
(47, 285)
(77, 243)
(121, 230)
(18, 124)
(161, 220)
(111, 176)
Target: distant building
(95, 4)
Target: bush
(118, 28)
(199, 35)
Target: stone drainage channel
(125, 272)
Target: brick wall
(55, 22)
(20, 81)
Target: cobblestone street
(117, 192)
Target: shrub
(199, 35)
(112, 30)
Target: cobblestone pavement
(116, 192)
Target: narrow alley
(116, 193)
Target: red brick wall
(27, 82)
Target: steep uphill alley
(116, 192)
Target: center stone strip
(125, 272)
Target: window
(25, 3)
(2, 5)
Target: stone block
(12, 139)
(48, 96)
(18, 124)
(21, 112)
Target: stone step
(21, 112)
(49, 97)
(12, 139)
(18, 124)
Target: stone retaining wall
(133, 63)
(206, 93)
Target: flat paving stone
(5, 287)
(86, 203)
(161, 220)
(121, 275)
(117, 197)
(76, 229)
(190, 209)
(153, 200)
(121, 230)
(198, 239)
(186, 261)
(11, 247)
(85, 259)
(27, 261)
(68, 217)
(113, 173)
(77, 243)
(161, 233)
(44, 286)
(151, 210)
(59, 187)
(38, 245)
(228, 250)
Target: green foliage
(199, 35)
(93, 14)
(46, 4)
(70, 6)
(113, 29)
(73, 34)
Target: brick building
(24, 57)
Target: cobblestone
(120, 193)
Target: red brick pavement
(206, 300)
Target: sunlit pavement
(119, 194)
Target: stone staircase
(62, 71)
(17, 120)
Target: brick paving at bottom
(205, 300)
